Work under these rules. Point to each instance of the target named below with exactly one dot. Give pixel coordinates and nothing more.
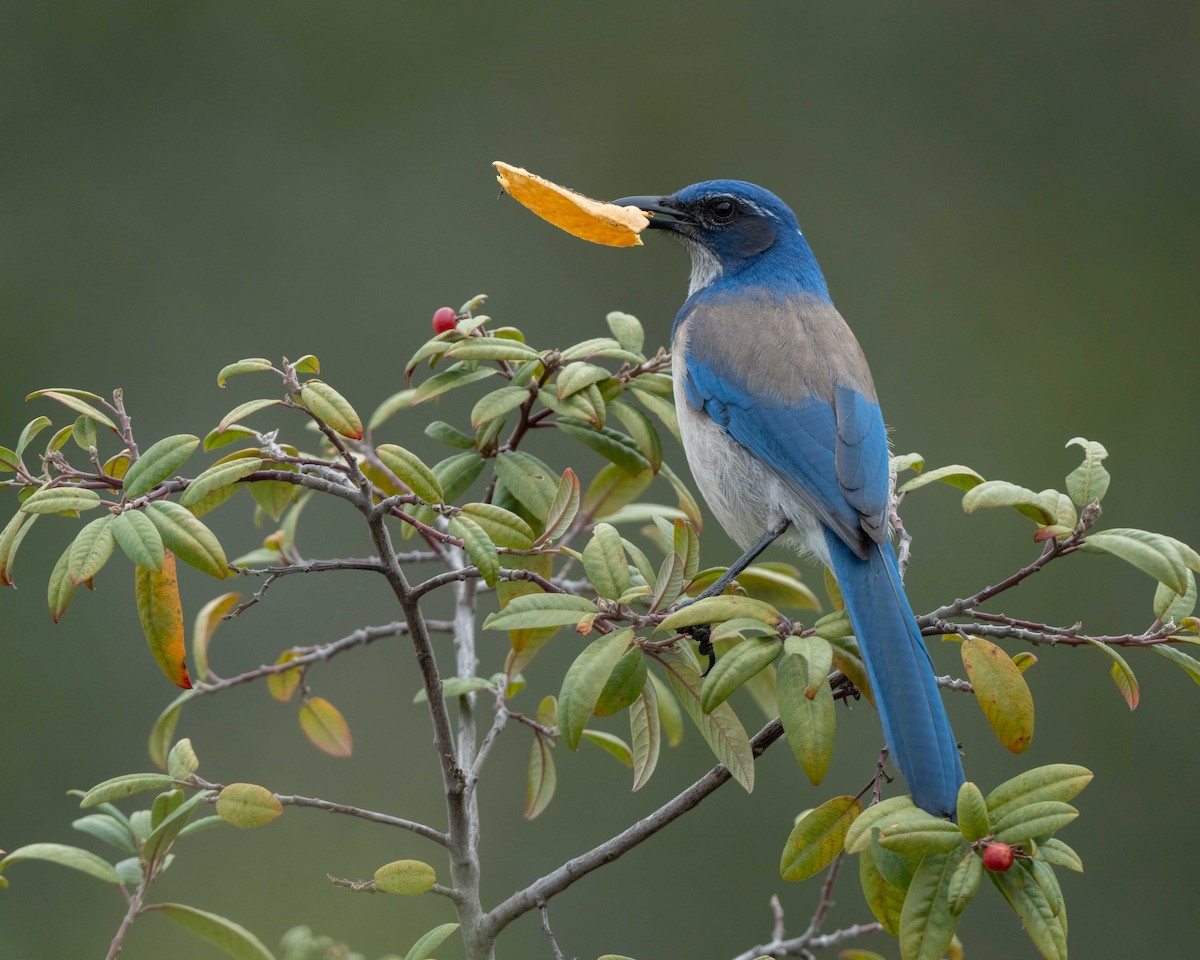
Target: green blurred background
(1004, 200)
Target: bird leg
(744, 560)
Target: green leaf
(188, 538)
(247, 805)
(491, 348)
(61, 500)
(818, 838)
(158, 463)
(541, 779)
(1056, 781)
(610, 743)
(721, 729)
(423, 948)
(171, 814)
(645, 733)
(1045, 878)
(612, 489)
(402, 400)
(1028, 902)
(90, 550)
(900, 462)
(457, 473)
(610, 444)
(973, 821)
(496, 404)
(405, 877)
(451, 436)
(1189, 665)
(251, 365)
(163, 730)
(217, 437)
(9, 460)
(10, 540)
(161, 616)
(65, 856)
(885, 900)
(627, 329)
(459, 687)
(624, 685)
(448, 380)
(232, 939)
(1121, 673)
(528, 479)
(964, 881)
(660, 407)
(669, 713)
(83, 432)
(1054, 851)
(219, 477)
(1169, 605)
(718, 609)
(125, 785)
(808, 719)
(412, 472)
(1088, 482)
(956, 475)
(881, 815)
(107, 828)
(325, 726)
(504, 527)
(307, 364)
(1033, 820)
(139, 538)
(926, 924)
(182, 761)
(1001, 493)
(585, 678)
(60, 589)
(563, 507)
(332, 408)
(244, 410)
(605, 563)
(31, 430)
(1149, 552)
(479, 547)
(77, 401)
(736, 667)
(1001, 692)
(542, 610)
(918, 837)
(599, 347)
(577, 375)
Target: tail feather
(910, 706)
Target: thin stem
(559, 879)
(131, 913)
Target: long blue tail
(915, 726)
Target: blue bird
(782, 430)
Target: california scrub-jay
(782, 429)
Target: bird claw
(701, 633)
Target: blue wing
(833, 452)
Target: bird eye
(723, 211)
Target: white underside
(746, 497)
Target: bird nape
(782, 430)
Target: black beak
(665, 216)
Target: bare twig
(559, 879)
(558, 955)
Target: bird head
(735, 229)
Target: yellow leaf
(1001, 691)
(325, 726)
(580, 216)
(162, 618)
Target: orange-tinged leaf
(1001, 691)
(541, 778)
(1122, 675)
(162, 618)
(579, 215)
(325, 726)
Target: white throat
(705, 267)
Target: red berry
(998, 857)
(444, 319)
